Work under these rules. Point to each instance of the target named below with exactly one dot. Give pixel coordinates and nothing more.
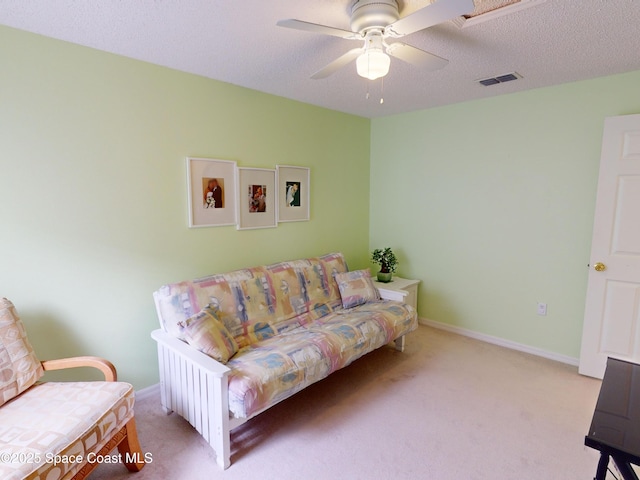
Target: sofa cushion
(317, 278)
(69, 419)
(19, 366)
(356, 288)
(254, 303)
(377, 323)
(274, 369)
(206, 333)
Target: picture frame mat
(249, 214)
(199, 172)
(286, 176)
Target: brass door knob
(599, 267)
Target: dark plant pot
(384, 277)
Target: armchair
(61, 430)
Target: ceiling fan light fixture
(373, 63)
(376, 20)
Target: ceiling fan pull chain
(382, 91)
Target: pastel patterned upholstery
(19, 366)
(209, 335)
(288, 321)
(53, 430)
(356, 288)
(273, 369)
(60, 418)
(259, 302)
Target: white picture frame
(212, 195)
(257, 203)
(293, 185)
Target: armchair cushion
(356, 288)
(19, 366)
(65, 419)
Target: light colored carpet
(449, 407)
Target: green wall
(93, 199)
(490, 204)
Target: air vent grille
(507, 77)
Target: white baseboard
(151, 391)
(501, 342)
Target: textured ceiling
(551, 42)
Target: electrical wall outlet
(542, 309)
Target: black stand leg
(603, 463)
(625, 469)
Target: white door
(612, 311)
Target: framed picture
(212, 192)
(293, 193)
(256, 198)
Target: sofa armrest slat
(105, 366)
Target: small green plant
(386, 259)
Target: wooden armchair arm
(105, 366)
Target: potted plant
(387, 261)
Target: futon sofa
(59, 430)
(234, 344)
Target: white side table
(402, 290)
(399, 289)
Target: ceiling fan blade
(439, 12)
(416, 57)
(316, 28)
(337, 64)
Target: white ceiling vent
(491, 9)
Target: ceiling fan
(375, 21)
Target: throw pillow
(356, 288)
(208, 334)
(19, 366)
